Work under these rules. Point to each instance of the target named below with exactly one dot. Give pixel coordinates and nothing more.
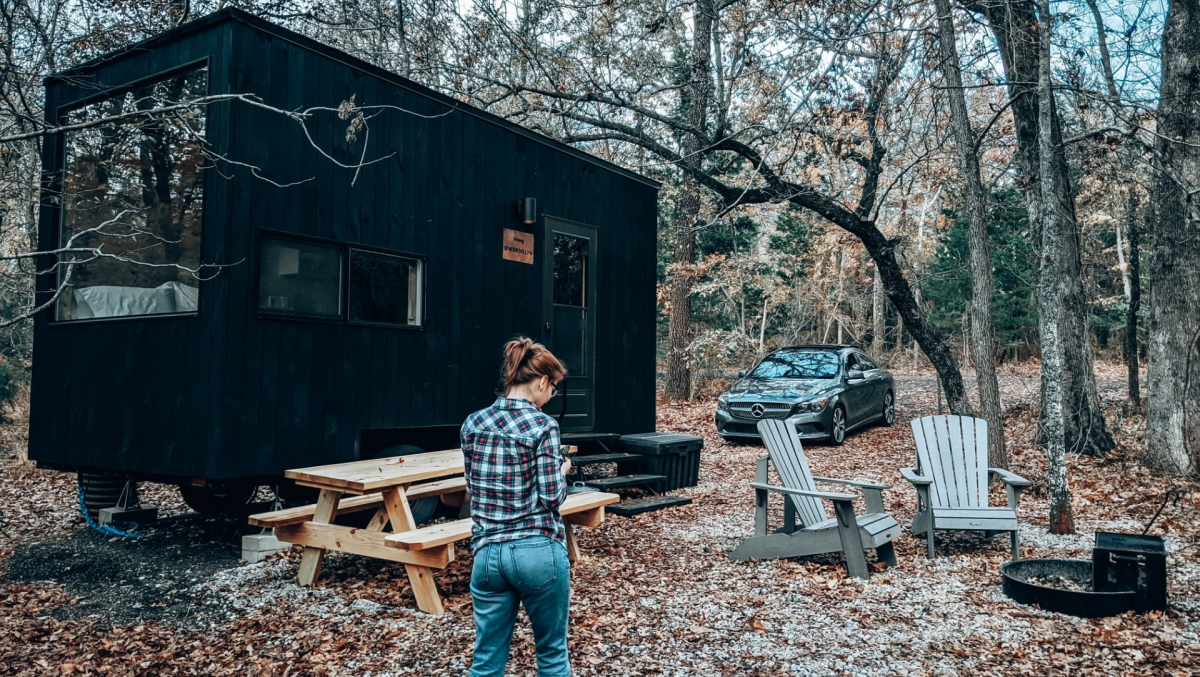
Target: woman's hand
(566, 467)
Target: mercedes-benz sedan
(825, 391)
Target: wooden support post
(379, 521)
(573, 553)
(420, 577)
(310, 561)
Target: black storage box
(673, 455)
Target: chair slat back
(952, 451)
(792, 465)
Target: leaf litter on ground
(656, 594)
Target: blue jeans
(531, 571)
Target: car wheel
(837, 426)
(889, 408)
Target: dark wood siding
(231, 393)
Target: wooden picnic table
(387, 485)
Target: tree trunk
(975, 198)
(679, 378)
(1053, 271)
(1135, 305)
(679, 375)
(1015, 23)
(878, 323)
(1173, 364)
(1122, 264)
(900, 293)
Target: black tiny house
(359, 269)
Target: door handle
(547, 326)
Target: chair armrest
(1009, 478)
(800, 492)
(911, 475)
(861, 484)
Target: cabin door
(570, 312)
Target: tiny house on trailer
(283, 291)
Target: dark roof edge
(234, 14)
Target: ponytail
(526, 361)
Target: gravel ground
(656, 595)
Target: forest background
(861, 172)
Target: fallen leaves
(657, 593)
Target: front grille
(746, 410)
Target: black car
(824, 390)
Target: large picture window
(133, 201)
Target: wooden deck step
(604, 458)
(641, 505)
(624, 481)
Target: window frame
(257, 290)
(346, 247)
(400, 255)
(58, 181)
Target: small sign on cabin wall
(518, 246)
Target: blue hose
(106, 529)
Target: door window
(570, 301)
(570, 270)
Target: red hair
(526, 361)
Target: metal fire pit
(1128, 573)
(1084, 603)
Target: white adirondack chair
(818, 533)
(952, 479)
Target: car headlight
(811, 406)
(723, 402)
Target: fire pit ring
(1083, 603)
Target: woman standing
(516, 474)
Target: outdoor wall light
(527, 210)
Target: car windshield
(798, 364)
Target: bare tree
(699, 90)
(1134, 297)
(1051, 279)
(1016, 26)
(1173, 368)
(983, 338)
(810, 125)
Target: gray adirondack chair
(952, 479)
(817, 533)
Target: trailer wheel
(227, 498)
(423, 509)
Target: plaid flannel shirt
(513, 461)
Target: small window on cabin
(300, 278)
(133, 202)
(570, 270)
(385, 288)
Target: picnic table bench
(387, 486)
